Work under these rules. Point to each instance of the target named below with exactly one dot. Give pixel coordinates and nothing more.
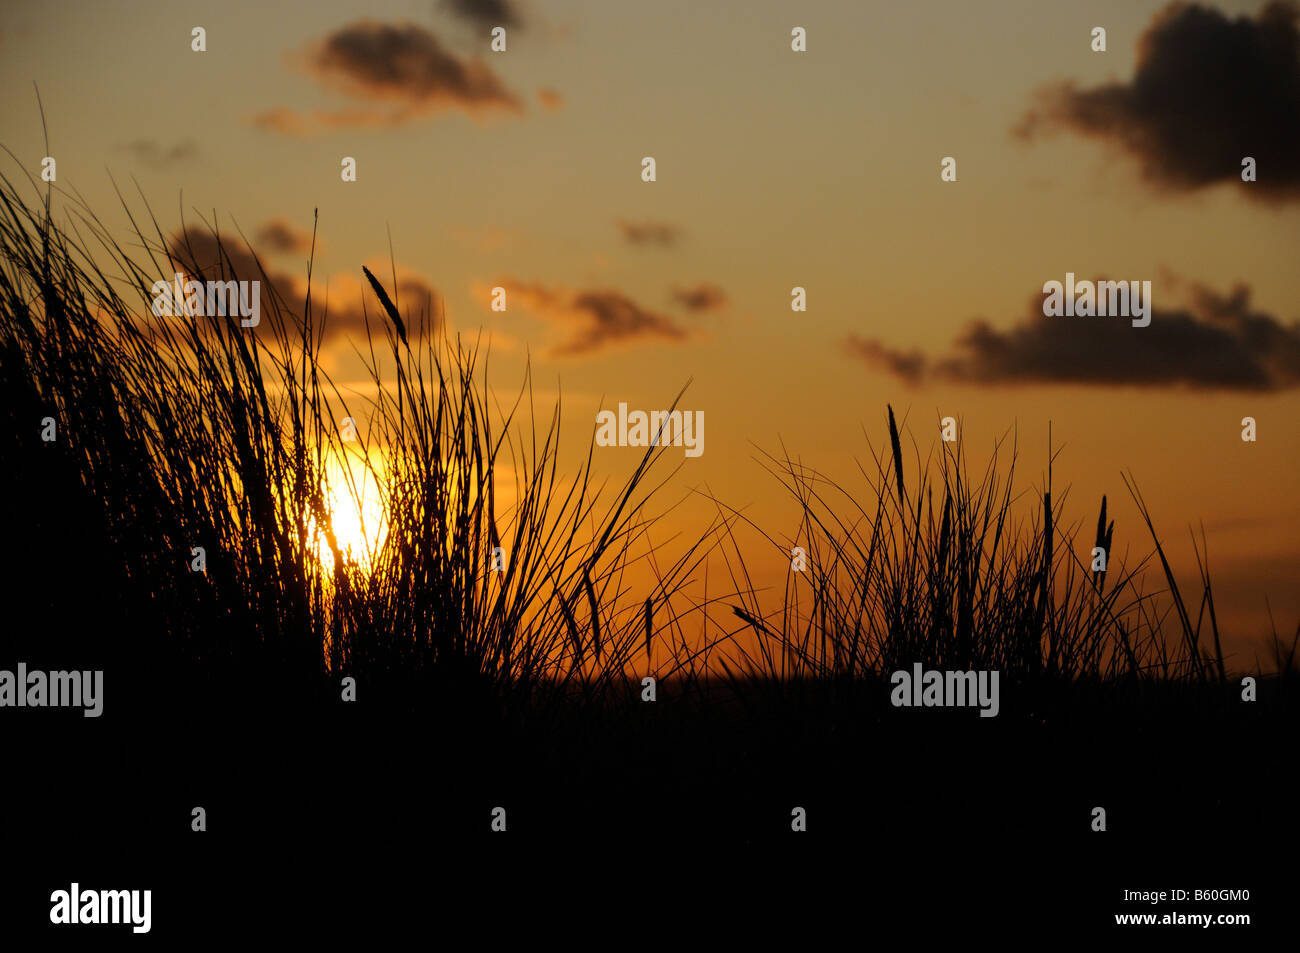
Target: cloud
(350, 301)
(593, 320)
(486, 13)
(319, 120)
(198, 255)
(197, 249)
(649, 233)
(1215, 342)
(405, 63)
(281, 236)
(153, 153)
(283, 120)
(342, 302)
(293, 123)
(701, 297)
(403, 73)
(910, 366)
(550, 99)
(1207, 92)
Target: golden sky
(775, 169)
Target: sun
(355, 505)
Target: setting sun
(356, 509)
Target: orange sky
(775, 169)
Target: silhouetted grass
(958, 573)
(185, 432)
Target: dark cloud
(405, 63)
(342, 303)
(350, 302)
(281, 236)
(649, 233)
(1217, 342)
(153, 153)
(909, 366)
(198, 252)
(592, 319)
(486, 13)
(700, 297)
(1208, 91)
(402, 71)
(198, 255)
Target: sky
(775, 169)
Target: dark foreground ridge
(917, 814)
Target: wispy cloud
(551, 99)
(649, 233)
(700, 297)
(590, 320)
(154, 153)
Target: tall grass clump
(959, 572)
(189, 432)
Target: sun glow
(355, 504)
